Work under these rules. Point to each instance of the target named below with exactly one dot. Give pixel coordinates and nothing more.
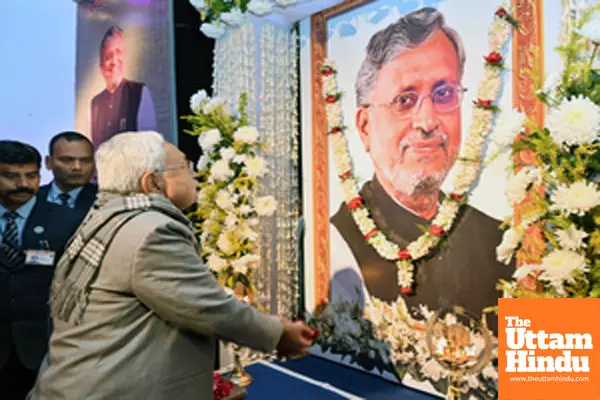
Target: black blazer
(84, 201)
(24, 289)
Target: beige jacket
(149, 330)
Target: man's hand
(295, 340)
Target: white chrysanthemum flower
(260, 7)
(230, 221)
(213, 104)
(233, 17)
(239, 266)
(251, 260)
(216, 263)
(197, 100)
(515, 188)
(510, 240)
(223, 200)
(255, 167)
(213, 31)
(247, 233)
(202, 163)
(253, 222)
(558, 267)
(265, 206)
(227, 153)
(246, 134)
(240, 158)
(576, 198)
(209, 139)
(575, 121)
(220, 171)
(591, 31)
(245, 209)
(571, 238)
(224, 244)
(508, 126)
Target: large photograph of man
(124, 105)
(124, 70)
(409, 94)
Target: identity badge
(39, 257)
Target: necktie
(10, 238)
(64, 198)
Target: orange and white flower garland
(468, 164)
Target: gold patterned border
(527, 56)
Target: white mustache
(418, 137)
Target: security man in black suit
(32, 237)
(71, 160)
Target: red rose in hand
(493, 58)
(335, 130)
(331, 99)
(436, 230)
(316, 333)
(328, 72)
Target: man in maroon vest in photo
(124, 105)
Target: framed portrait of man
(409, 73)
(124, 73)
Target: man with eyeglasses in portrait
(408, 116)
(32, 238)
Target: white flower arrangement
(388, 338)
(217, 16)
(468, 164)
(554, 184)
(228, 204)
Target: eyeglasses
(445, 98)
(189, 165)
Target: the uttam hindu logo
(524, 343)
(548, 349)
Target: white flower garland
(468, 167)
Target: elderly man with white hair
(135, 310)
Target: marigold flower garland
(468, 167)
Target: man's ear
(152, 183)
(49, 163)
(362, 125)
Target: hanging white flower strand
(468, 164)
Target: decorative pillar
(260, 59)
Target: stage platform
(316, 378)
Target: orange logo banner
(549, 349)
